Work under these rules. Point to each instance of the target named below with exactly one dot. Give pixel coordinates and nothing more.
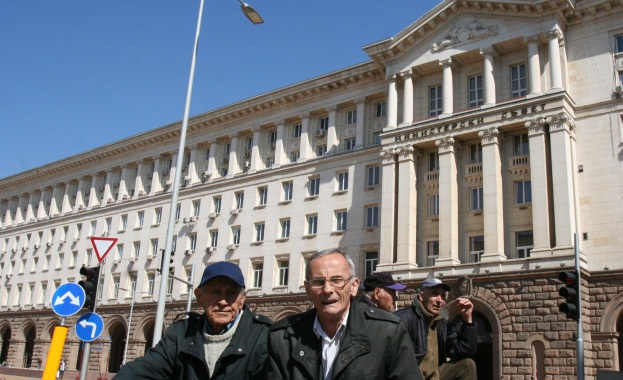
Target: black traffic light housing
(571, 293)
(89, 284)
(171, 267)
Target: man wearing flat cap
(434, 337)
(227, 341)
(380, 291)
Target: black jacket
(452, 344)
(180, 353)
(375, 345)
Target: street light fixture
(255, 18)
(127, 338)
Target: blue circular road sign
(68, 299)
(89, 327)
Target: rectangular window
(115, 286)
(475, 198)
(475, 91)
(213, 238)
(433, 161)
(521, 145)
(321, 150)
(151, 280)
(178, 211)
(475, 153)
(153, 247)
(341, 217)
(258, 274)
(523, 192)
(296, 131)
(349, 144)
(107, 225)
(92, 229)
(476, 248)
(351, 117)
(324, 124)
(133, 281)
(192, 242)
(433, 205)
(283, 272)
(372, 216)
(259, 231)
(262, 195)
(272, 137)
(235, 235)
(140, 219)
(342, 181)
(216, 205)
(372, 260)
(119, 252)
(285, 228)
(518, 80)
(196, 208)
(43, 294)
(312, 224)
(314, 186)
(294, 156)
(158, 215)
(239, 198)
(136, 249)
(223, 172)
(435, 100)
(432, 252)
(373, 175)
(381, 109)
(270, 161)
(287, 191)
(524, 242)
(376, 138)
(249, 145)
(619, 44)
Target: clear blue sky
(75, 75)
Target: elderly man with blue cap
(227, 341)
(435, 338)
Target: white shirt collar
(330, 346)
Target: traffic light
(171, 267)
(571, 293)
(89, 284)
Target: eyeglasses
(336, 282)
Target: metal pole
(127, 338)
(191, 287)
(86, 353)
(580, 341)
(164, 271)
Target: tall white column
(234, 165)
(171, 176)
(123, 188)
(448, 204)
(406, 226)
(79, 202)
(493, 196)
(192, 175)
(407, 99)
(8, 216)
(305, 147)
(555, 67)
(387, 247)
(94, 193)
(392, 103)
(108, 194)
(66, 203)
(332, 140)
(41, 210)
(562, 132)
(279, 145)
(488, 77)
(139, 189)
(54, 201)
(534, 66)
(212, 168)
(447, 88)
(30, 214)
(155, 175)
(19, 214)
(361, 120)
(538, 178)
(256, 158)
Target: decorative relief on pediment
(460, 33)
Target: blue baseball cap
(432, 282)
(222, 269)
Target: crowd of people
(342, 337)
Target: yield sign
(102, 246)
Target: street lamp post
(255, 18)
(127, 338)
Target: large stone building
(472, 147)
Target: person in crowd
(434, 337)
(380, 291)
(339, 339)
(227, 341)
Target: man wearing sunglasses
(339, 339)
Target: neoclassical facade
(473, 146)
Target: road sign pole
(86, 352)
(56, 352)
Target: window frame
(475, 94)
(435, 100)
(518, 80)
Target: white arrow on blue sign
(89, 327)
(68, 299)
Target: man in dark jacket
(339, 339)
(227, 342)
(380, 291)
(434, 337)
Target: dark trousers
(464, 369)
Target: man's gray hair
(326, 252)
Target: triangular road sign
(102, 246)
